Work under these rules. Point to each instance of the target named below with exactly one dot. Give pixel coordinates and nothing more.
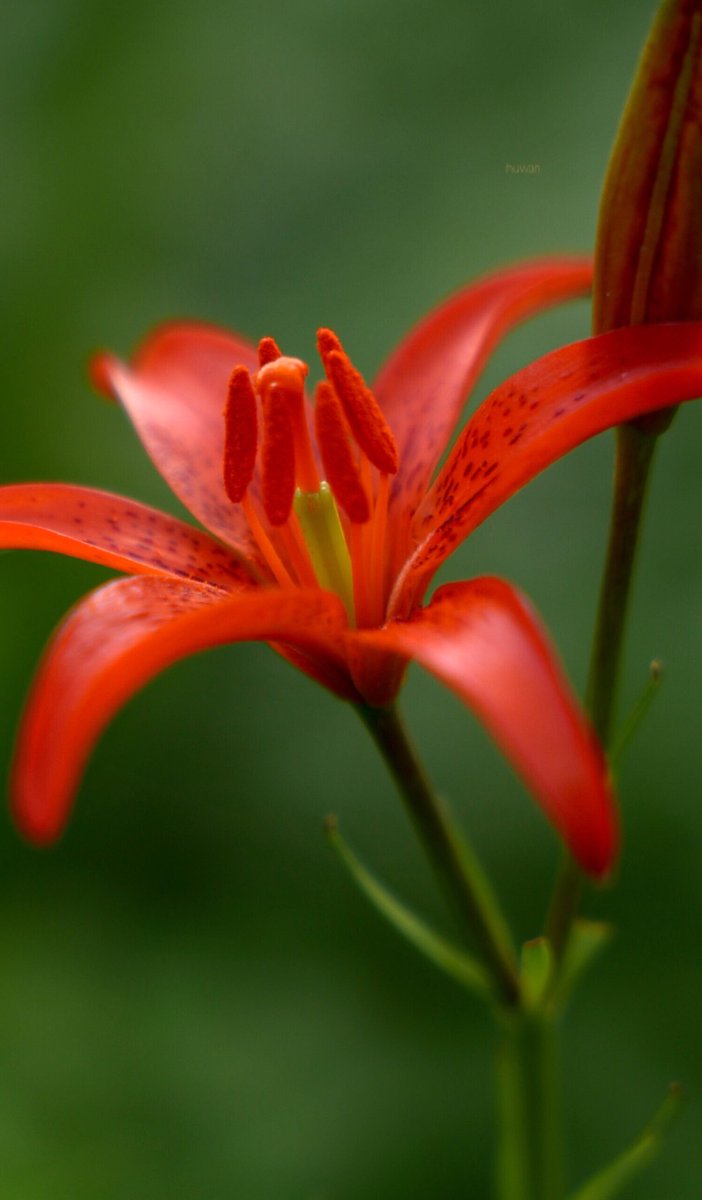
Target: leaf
(638, 712)
(610, 1182)
(461, 966)
(586, 941)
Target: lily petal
(423, 386)
(114, 642)
(484, 641)
(538, 415)
(174, 393)
(114, 531)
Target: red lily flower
(334, 576)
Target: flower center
(318, 516)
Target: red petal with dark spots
(114, 531)
(423, 385)
(536, 417)
(483, 640)
(114, 642)
(175, 391)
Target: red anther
(326, 342)
(360, 406)
(240, 434)
(278, 457)
(267, 351)
(339, 465)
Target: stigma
(313, 478)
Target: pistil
(281, 385)
(325, 541)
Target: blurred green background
(193, 1000)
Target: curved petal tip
(100, 371)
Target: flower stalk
(565, 901)
(450, 854)
(635, 451)
(530, 1151)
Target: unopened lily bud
(648, 260)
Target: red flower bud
(648, 264)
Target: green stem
(452, 858)
(527, 1079)
(564, 905)
(530, 1158)
(635, 450)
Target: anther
(327, 341)
(277, 458)
(339, 464)
(361, 409)
(267, 351)
(240, 435)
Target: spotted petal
(113, 643)
(483, 640)
(423, 386)
(114, 531)
(174, 392)
(536, 417)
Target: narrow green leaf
(464, 969)
(610, 1182)
(631, 724)
(586, 941)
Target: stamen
(339, 464)
(377, 555)
(298, 551)
(360, 406)
(240, 435)
(362, 553)
(301, 515)
(358, 539)
(277, 458)
(268, 351)
(327, 341)
(265, 545)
